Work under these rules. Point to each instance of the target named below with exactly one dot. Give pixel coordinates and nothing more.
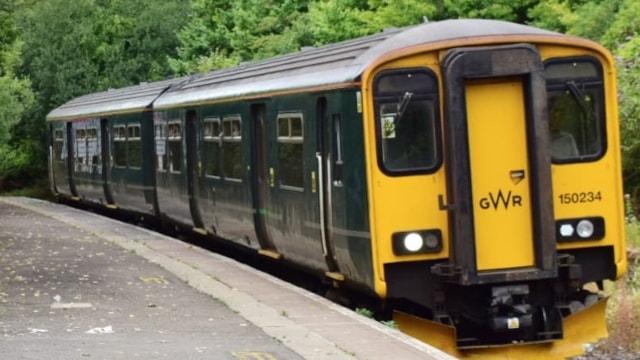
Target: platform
(76, 285)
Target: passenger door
(262, 179)
(106, 160)
(323, 195)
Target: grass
(623, 311)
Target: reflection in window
(119, 146)
(212, 146)
(135, 146)
(232, 147)
(174, 142)
(576, 109)
(290, 155)
(407, 120)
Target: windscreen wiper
(402, 107)
(579, 96)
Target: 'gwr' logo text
(500, 200)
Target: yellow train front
(495, 187)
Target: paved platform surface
(75, 285)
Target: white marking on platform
(71, 306)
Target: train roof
(334, 64)
(322, 67)
(123, 100)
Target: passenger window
(134, 143)
(407, 121)
(93, 150)
(232, 147)
(119, 146)
(58, 145)
(290, 155)
(576, 109)
(174, 140)
(81, 150)
(212, 146)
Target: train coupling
(509, 308)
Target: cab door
(498, 164)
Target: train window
(134, 144)
(174, 140)
(58, 135)
(119, 146)
(290, 156)
(93, 148)
(212, 146)
(407, 121)
(575, 94)
(337, 150)
(232, 147)
(160, 130)
(81, 150)
(58, 145)
(59, 155)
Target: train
(465, 172)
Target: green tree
(223, 33)
(511, 10)
(90, 46)
(623, 36)
(398, 13)
(134, 39)
(15, 91)
(16, 96)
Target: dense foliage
(51, 52)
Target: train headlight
(584, 229)
(591, 228)
(413, 242)
(417, 242)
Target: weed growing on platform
(364, 312)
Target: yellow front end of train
(495, 192)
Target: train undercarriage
(559, 316)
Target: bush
(21, 166)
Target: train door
(70, 159)
(262, 179)
(106, 161)
(324, 194)
(193, 168)
(498, 164)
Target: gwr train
(465, 171)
